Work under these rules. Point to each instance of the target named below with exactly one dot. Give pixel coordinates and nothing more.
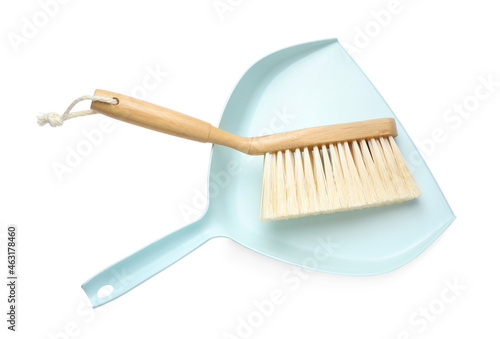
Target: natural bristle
(335, 177)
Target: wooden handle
(165, 120)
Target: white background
(424, 58)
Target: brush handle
(168, 121)
(165, 120)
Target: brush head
(335, 177)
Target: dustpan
(307, 85)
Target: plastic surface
(308, 85)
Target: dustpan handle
(135, 269)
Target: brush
(306, 172)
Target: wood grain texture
(168, 121)
(324, 135)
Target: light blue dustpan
(308, 85)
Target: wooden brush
(309, 171)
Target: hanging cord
(54, 119)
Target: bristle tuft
(302, 198)
(280, 189)
(267, 198)
(292, 204)
(319, 176)
(312, 191)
